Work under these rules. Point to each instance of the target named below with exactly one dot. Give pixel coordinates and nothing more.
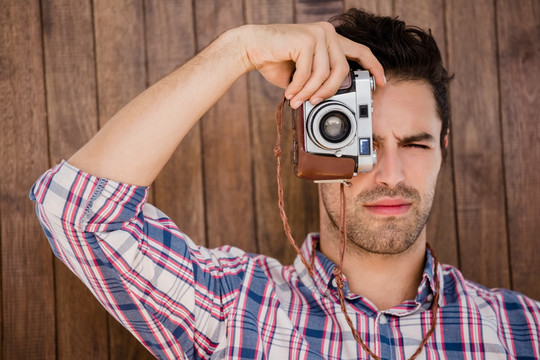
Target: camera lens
(335, 127)
(331, 126)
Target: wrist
(235, 43)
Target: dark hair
(405, 52)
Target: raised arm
(136, 143)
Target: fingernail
(296, 104)
(315, 101)
(288, 96)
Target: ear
(445, 140)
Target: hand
(313, 54)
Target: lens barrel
(335, 127)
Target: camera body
(333, 140)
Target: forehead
(404, 108)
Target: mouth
(389, 207)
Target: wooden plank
(27, 300)
(441, 227)
(226, 143)
(381, 7)
(263, 100)
(178, 190)
(72, 114)
(307, 11)
(123, 345)
(120, 54)
(476, 142)
(519, 69)
(121, 75)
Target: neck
(386, 280)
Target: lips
(389, 207)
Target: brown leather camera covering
(316, 167)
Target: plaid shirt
(183, 301)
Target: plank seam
(501, 135)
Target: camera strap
(340, 282)
(281, 202)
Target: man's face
(388, 207)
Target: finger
(301, 73)
(339, 68)
(363, 55)
(319, 74)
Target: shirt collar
(323, 275)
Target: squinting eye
(418, 146)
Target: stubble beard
(389, 235)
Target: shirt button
(334, 283)
(429, 298)
(382, 320)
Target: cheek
(422, 172)
(329, 194)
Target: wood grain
(226, 143)
(178, 189)
(120, 55)
(380, 7)
(27, 294)
(307, 11)
(519, 69)
(476, 143)
(81, 329)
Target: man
(388, 297)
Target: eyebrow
(423, 136)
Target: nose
(389, 169)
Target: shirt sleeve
(173, 295)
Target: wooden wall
(67, 66)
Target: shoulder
(234, 260)
(515, 315)
(456, 284)
(266, 266)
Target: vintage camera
(332, 141)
